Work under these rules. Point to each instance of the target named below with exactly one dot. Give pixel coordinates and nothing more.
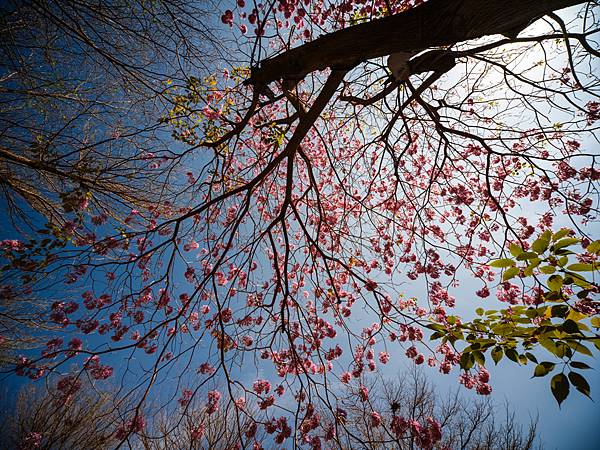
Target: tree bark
(436, 23)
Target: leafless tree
(466, 423)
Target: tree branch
(434, 24)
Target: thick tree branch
(434, 24)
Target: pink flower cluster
(135, 425)
(97, 370)
(67, 386)
(478, 381)
(30, 441)
(279, 426)
(212, 405)
(425, 435)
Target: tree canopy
(260, 209)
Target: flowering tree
(325, 202)
(85, 419)
(75, 132)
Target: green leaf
(501, 263)
(559, 385)
(497, 354)
(563, 261)
(564, 251)
(595, 322)
(512, 354)
(466, 361)
(533, 263)
(510, 273)
(527, 255)
(564, 243)
(580, 348)
(547, 269)
(559, 310)
(580, 281)
(479, 358)
(561, 234)
(436, 335)
(548, 344)
(580, 383)
(579, 365)
(541, 244)
(570, 327)
(543, 369)
(563, 350)
(582, 267)
(531, 357)
(479, 311)
(515, 249)
(555, 283)
(594, 247)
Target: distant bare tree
(73, 415)
(63, 417)
(83, 85)
(400, 413)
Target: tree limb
(436, 23)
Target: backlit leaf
(543, 369)
(559, 385)
(564, 243)
(580, 383)
(509, 273)
(501, 263)
(555, 283)
(515, 249)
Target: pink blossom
(363, 393)
(375, 419)
(31, 440)
(261, 386)
(212, 405)
(227, 18)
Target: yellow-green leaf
(594, 247)
(515, 249)
(582, 267)
(564, 243)
(543, 368)
(560, 387)
(501, 263)
(580, 348)
(510, 273)
(533, 263)
(561, 234)
(547, 269)
(563, 261)
(527, 255)
(555, 283)
(580, 383)
(497, 354)
(541, 244)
